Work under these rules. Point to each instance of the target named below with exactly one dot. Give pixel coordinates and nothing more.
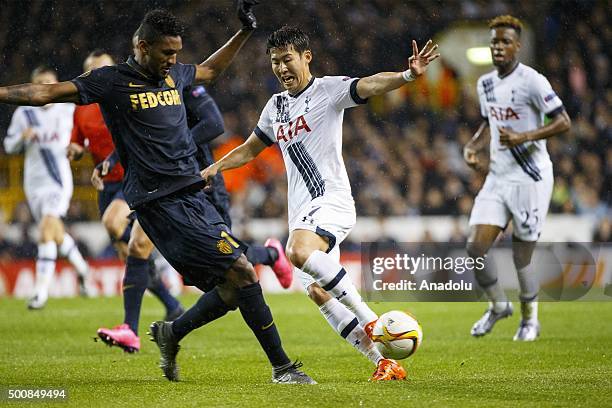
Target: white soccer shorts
(49, 201)
(526, 204)
(328, 217)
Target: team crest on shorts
(224, 247)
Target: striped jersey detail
(305, 165)
(51, 165)
(524, 159)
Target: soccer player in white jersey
(514, 99)
(44, 133)
(306, 121)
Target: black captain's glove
(244, 9)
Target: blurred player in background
(44, 133)
(306, 121)
(130, 241)
(514, 99)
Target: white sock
(332, 277)
(45, 267)
(497, 297)
(68, 249)
(528, 282)
(344, 322)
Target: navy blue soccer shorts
(189, 232)
(112, 191)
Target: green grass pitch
(222, 365)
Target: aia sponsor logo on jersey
(290, 130)
(45, 138)
(501, 113)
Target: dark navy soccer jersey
(147, 119)
(206, 123)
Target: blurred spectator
(603, 233)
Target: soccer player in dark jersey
(142, 104)
(206, 123)
(132, 244)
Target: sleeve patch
(550, 97)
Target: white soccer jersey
(308, 129)
(518, 101)
(46, 165)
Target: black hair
(159, 23)
(42, 69)
(286, 36)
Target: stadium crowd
(404, 156)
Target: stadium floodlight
(479, 55)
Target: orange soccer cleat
(388, 370)
(368, 328)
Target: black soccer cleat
(161, 334)
(292, 375)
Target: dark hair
(43, 69)
(507, 21)
(286, 36)
(159, 23)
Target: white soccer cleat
(485, 324)
(528, 331)
(37, 302)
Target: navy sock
(157, 287)
(125, 237)
(261, 255)
(134, 284)
(257, 315)
(209, 307)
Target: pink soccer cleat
(120, 336)
(282, 267)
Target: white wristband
(407, 75)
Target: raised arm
(238, 157)
(214, 65)
(384, 82)
(39, 94)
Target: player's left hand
(510, 138)
(244, 9)
(419, 60)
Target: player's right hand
(244, 8)
(99, 171)
(28, 134)
(470, 156)
(209, 173)
(96, 180)
(75, 152)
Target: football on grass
(397, 335)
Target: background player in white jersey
(306, 121)
(513, 101)
(44, 133)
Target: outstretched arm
(214, 65)
(39, 94)
(238, 157)
(384, 82)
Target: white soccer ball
(397, 335)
